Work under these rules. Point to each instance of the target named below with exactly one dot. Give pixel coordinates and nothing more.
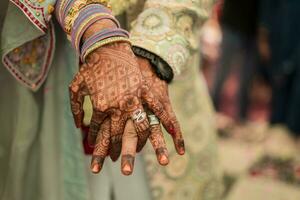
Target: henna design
(156, 96)
(129, 143)
(117, 127)
(158, 142)
(77, 92)
(117, 87)
(101, 147)
(142, 139)
(96, 121)
(112, 79)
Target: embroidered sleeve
(169, 29)
(39, 12)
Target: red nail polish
(172, 130)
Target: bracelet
(102, 43)
(103, 34)
(65, 6)
(88, 16)
(161, 67)
(77, 33)
(74, 11)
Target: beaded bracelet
(101, 43)
(103, 35)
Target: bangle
(78, 32)
(102, 43)
(88, 16)
(64, 7)
(75, 9)
(161, 68)
(103, 34)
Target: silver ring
(153, 120)
(138, 116)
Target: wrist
(93, 29)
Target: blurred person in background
(210, 40)
(41, 154)
(280, 51)
(238, 50)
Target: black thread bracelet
(161, 68)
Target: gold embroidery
(50, 9)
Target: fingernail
(181, 151)
(127, 169)
(127, 165)
(96, 168)
(164, 160)
(181, 147)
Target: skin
(130, 138)
(114, 83)
(120, 86)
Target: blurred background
(250, 57)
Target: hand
(159, 103)
(162, 108)
(113, 81)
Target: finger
(168, 119)
(159, 144)
(129, 143)
(140, 120)
(141, 124)
(117, 128)
(96, 121)
(142, 139)
(174, 128)
(101, 147)
(77, 92)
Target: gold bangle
(74, 11)
(102, 43)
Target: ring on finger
(139, 116)
(153, 120)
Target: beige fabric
(263, 189)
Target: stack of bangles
(77, 16)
